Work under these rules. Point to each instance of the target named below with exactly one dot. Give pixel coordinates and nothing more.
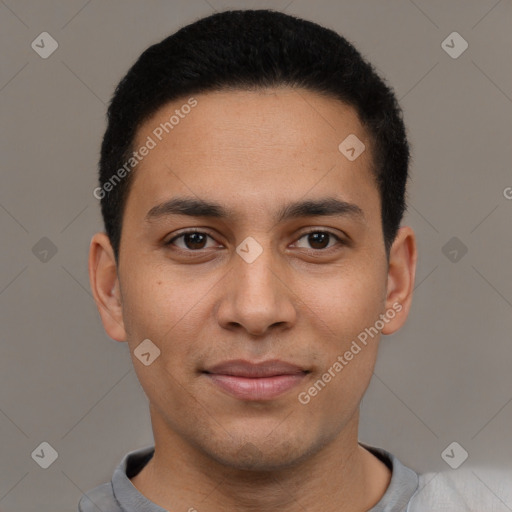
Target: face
(249, 236)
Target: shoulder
(467, 491)
(100, 498)
(106, 497)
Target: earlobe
(104, 281)
(401, 274)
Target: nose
(256, 296)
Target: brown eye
(192, 240)
(319, 240)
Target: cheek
(163, 311)
(156, 300)
(343, 313)
(347, 350)
(346, 304)
(168, 310)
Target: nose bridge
(255, 271)
(255, 297)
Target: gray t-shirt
(452, 491)
(120, 495)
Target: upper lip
(242, 368)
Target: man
(252, 182)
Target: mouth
(256, 381)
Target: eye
(319, 239)
(192, 240)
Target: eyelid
(322, 230)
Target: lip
(256, 381)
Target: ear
(104, 282)
(401, 273)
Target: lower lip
(261, 388)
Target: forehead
(279, 118)
(243, 146)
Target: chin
(250, 458)
(259, 453)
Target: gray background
(444, 377)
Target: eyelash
(323, 231)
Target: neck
(341, 476)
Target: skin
(302, 300)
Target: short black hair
(250, 50)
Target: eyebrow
(311, 208)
